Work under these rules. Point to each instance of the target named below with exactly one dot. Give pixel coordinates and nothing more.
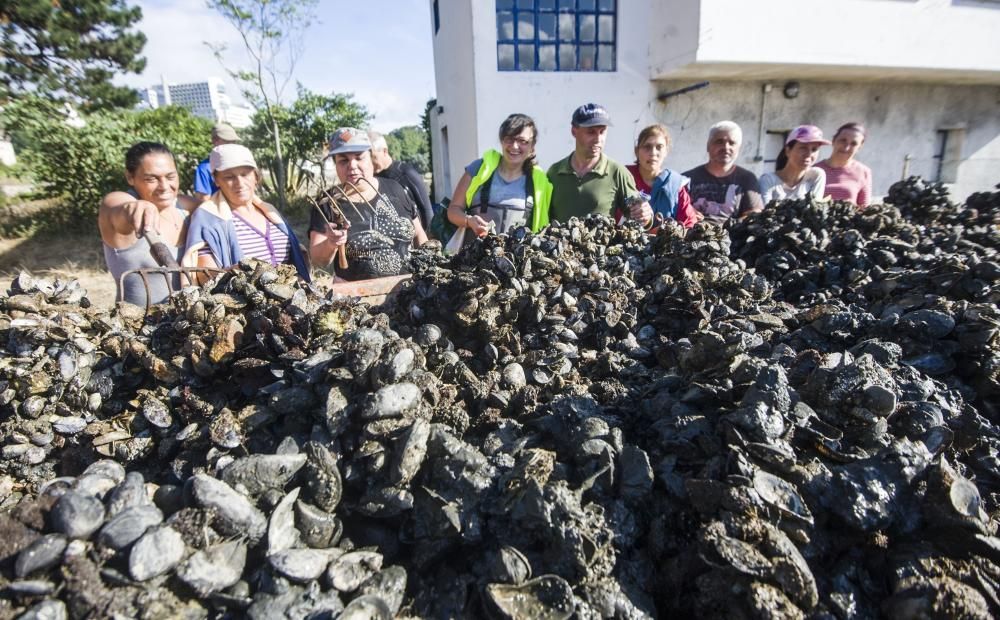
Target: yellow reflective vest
(542, 194)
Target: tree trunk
(279, 165)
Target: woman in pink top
(847, 178)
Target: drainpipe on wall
(766, 88)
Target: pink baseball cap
(807, 133)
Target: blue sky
(380, 50)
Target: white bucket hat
(226, 156)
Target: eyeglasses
(511, 141)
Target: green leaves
(272, 37)
(69, 50)
(304, 127)
(410, 144)
(77, 166)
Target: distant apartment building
(206, 99)
(7, 156)
(923, 75)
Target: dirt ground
(77, 254)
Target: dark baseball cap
(591, 115)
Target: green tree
(425, 123)
(409, 144)
(69, 50)
(304, 126)
(271, 31)
(77, 166)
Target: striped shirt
(269, 245)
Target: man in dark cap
(588, 181)
(204, 184)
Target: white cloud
(380, 50)
(391, 108)
(176, 33)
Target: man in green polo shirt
(588, 181)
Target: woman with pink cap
(847, 178)
(794, 175)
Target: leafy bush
(409, 144)
(77, 165)
(304, 127)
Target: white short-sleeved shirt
(773, 188)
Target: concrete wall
(903, 39)
(903, 115)
(901, 119)
(549, 98)
(454, 123)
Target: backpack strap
(484, 193)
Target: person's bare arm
(189, 203)
(457, 214)
(456, 208)
(642, 212)
(419, 235)
(121, 216)
(194, 258)
(205, 260)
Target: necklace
(172, 221)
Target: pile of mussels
(795, 415)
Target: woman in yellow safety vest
(506, 189)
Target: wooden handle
(342, 257)
(159, 250)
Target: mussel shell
(548, 597)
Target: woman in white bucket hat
(235, 224)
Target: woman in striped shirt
(235, 224)
(847, 178)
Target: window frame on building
(562, 51)
(770, 141)
(948, 143)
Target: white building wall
(895, 65)
(7, 156)
(476, 101)
(902, 119)
(551, 97)
(206, 99)
(237, 116)
(454, 121)
(878, 39)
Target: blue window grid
(515, 9)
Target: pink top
(853, 182)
